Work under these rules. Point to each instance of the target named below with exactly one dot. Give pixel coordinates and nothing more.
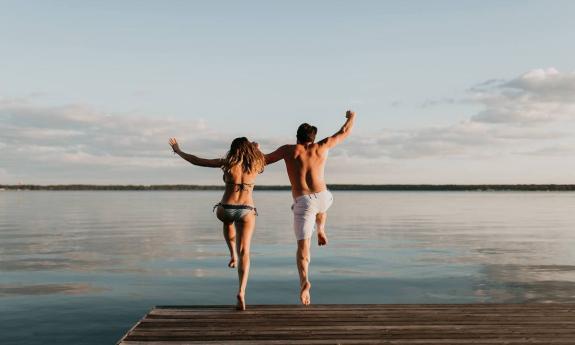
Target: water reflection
(127, 251)
(44, 289)
(524, 283)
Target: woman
(243, 162)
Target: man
(305, 164)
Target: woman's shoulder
(237, 174)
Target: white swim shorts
(305, 208)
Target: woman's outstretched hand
(174, 145)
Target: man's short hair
(306, 133)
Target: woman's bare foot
(241, 304)
(232, 263)
(304, 295)
(321, 238)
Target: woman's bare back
(239, 186)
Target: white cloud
(3, 175)
(533, 112)
(536, 97)
(466, 139)
(546, 84)
(528, 117)
(559, 150)
(77, 134)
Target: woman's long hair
(243, 152)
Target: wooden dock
(421, 324)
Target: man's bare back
(305, 165)
(305, 161)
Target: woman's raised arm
(195, 160)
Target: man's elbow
(345, 132)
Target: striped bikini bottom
(234, 213)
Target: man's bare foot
(241, 304)
(304, 295)
(321, 238)
(232, 263)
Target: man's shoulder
(321, 146)
(286, 150)
(288, 147)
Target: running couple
(305, 162)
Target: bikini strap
(240, 186)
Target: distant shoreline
(341, 187)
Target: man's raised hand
(350, 114)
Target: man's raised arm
(276, 155)
(343, 133)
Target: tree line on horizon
(340, 187)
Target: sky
(445, 91)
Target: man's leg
(320, 219)
(324, 203)
(303, 259)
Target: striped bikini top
(240, 187)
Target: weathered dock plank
(400, 324)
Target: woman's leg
(245, 229)
(230, 236)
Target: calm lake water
(82, 267)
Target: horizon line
(340, 187)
